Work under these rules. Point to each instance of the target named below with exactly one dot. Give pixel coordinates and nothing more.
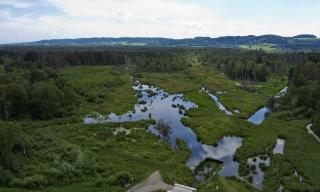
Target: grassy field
(101, 89)
(265, 47)
(227, 184)
(58, 146)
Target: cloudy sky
(29, 20)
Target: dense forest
(31, 89)
(159, 61)
(303, 99)
(60, 59)
(254, 65)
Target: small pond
(259, 116)
(278, 149)
(257, 166)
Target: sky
(31, 20)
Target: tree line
(303, 98)
(31, 87)
(158, 62)
(60, 59)
(249, 65)
(148, 61)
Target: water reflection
(259, 116)
(216, 100)
(257, 166)
(278, 149)
(157, 104)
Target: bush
(49, 101)
(32, 89)
(92, 97)
(263, 166)
(35, 181)
(316, 125)
(5, 176)
(1, 61)
(13, 101)
(121, 179)
(100, 182)
(13, 146)
(285, 115)
(86, 163)
(163, 128)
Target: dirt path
(312, 133)
(152, 183)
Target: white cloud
(5, 13)
(123, 16)
(16, 3)
(152, 20)
(116, 18)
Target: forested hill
(267, 42)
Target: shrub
(13, 146)
(47, 101)
(121, 179)
(285, 115)
(35, 181)
(100, 182)
(92, 97)
(263, 166)
(163, 128)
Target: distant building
(182, 188)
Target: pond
(159, 105)
(258, 117)
(278, 149)
(258, 165)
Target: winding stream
(218, 103)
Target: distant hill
(268, 42)
(305, 36)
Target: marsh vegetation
(45, 96)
